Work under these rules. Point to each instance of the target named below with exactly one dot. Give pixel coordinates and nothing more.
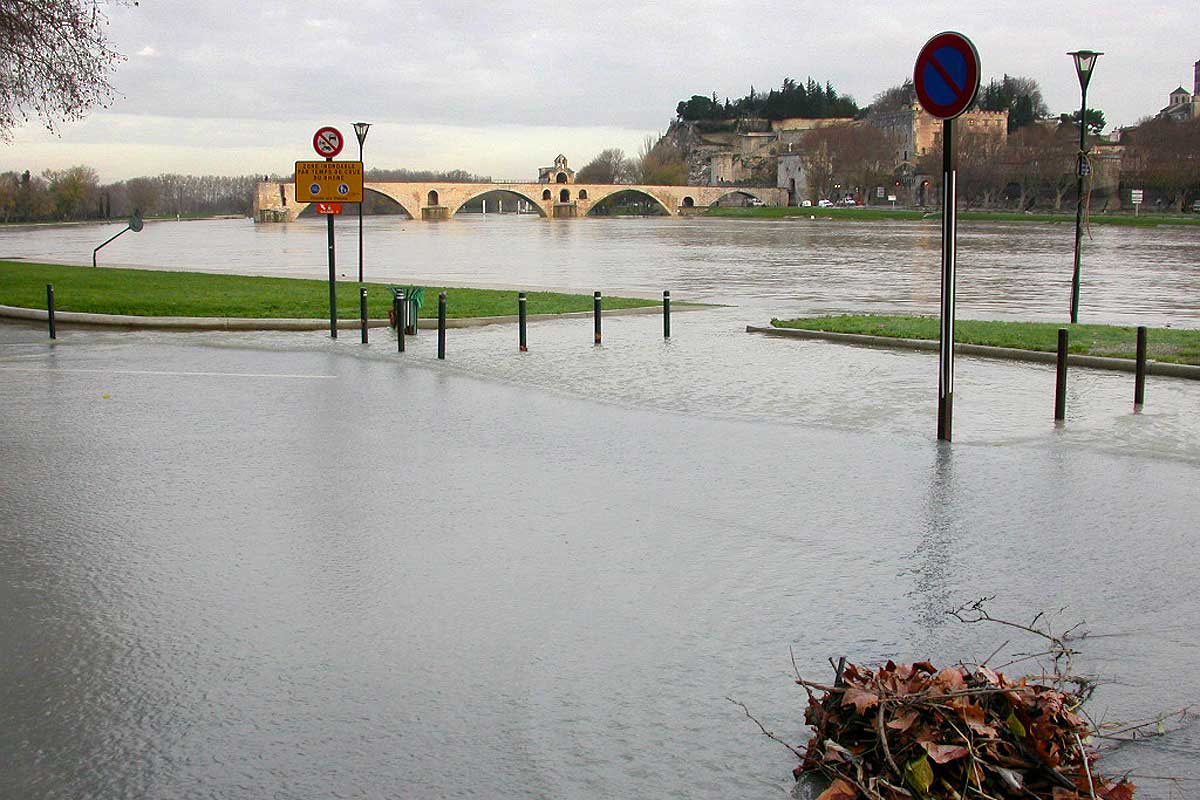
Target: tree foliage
(609, 166)
(895, 97)
(1020, 97)
(1095, 120)
(659, 163)
(55, 61)
(809, 99)
(857, 156)
(1164, 156)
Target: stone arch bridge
(276, 202)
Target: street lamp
(1085, 62)
(360, 130)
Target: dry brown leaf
(944, 753)
(840, 789)
(904, 721)
(859, 698)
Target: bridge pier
(435, 213)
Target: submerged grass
(1163, 344)
(156, 293)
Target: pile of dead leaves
(912, 731)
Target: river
(277, 565)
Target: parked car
(754, 202)
(806, 204)
(824, 204)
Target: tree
(73, 190)
(1095, 120)
(1020, 97)
(55, 61)
(660, 164)
(610, 166)
(857, 155)
(1164, 155)
(895, 97)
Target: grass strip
(1164, 344)
(158, 293)
(870, 214)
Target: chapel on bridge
(559, 173)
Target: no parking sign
(946, 76)
(946, 79)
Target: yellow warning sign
(329, 181)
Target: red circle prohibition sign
(946, 76)
(328, 141)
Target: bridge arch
(431, 199)
(688, 202)
(600, 196)
(515, 192)
(301, 208)
(564, 196)
(746, 193)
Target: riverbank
(1169, 345)
(869, 214)
(158, 293)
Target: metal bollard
(362, 311)
(1139, 381)
(523, 342)
(50, 309)
(442, 325)
(400, 308)
(596, 314)
(412, 318)
(666, 314)
(1060, 388)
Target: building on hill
(1183, 105)
(559, 173)
(916, 132)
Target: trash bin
(414, 298)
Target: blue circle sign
(946, 76)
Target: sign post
(329, 183)
(1135, 197)
(946, 79)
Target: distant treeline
(76, 193)
(808, 99)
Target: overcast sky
(223, 87)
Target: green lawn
(156, 293)
(878, 212)
(1164, 344)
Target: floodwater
(278, 565)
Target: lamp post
(1085, 62)
(360, 131)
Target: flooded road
(276, 565)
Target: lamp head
(360, 130)
(1085, 62)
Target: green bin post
(401, 302)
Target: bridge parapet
(429, 201)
